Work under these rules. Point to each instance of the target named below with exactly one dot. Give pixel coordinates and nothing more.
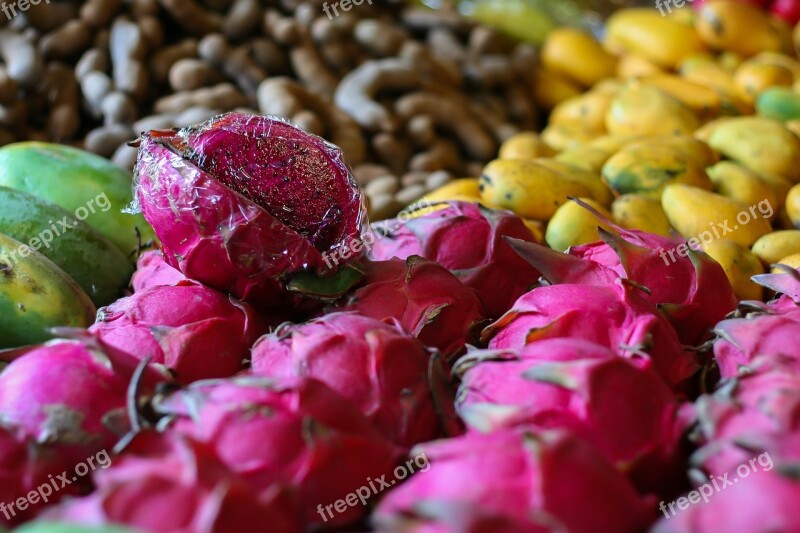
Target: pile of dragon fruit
(278, 356)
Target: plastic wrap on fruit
(242, 202)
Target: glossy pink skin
(194, 330)
(438, 517)
(519, 474)
(301, 435)
(426, 300)
(741, 340)
(25, 465)
(469, 241)
(170, 484)
(787, 284)
(755, 411)
(764, 502)
(71, 396)
(619, 405)
(379, 368)
(153, 271)
(613, 316)
(692, 291)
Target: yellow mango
(739, 264)
(754, 77)
(642, 110)
(697, 213)
(585, 157)
(729, 61)
(793, 205)
(780, 188)
(737, 27)
(635, 211)
(773, 247)
(613, 143)
(550, 89)
(741, 184)
(647, 168)
(635, 66)
(773, 58)
(524, 145)
(529, 189)
(576, 55)
(695, 149)
(591, 180)
(587, 111)
(794, 124)
(705, 102)
(536, 227)
(706, 72)
(573, 224)
(763, 145)
(455, 190)
(792, 261)
(643, 31)
(566, 136)
(703, 133)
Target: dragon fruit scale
(378, 367)
(468, 239)
(786, 283)
(242, 201)
(620, 405)
(194, 330)
(519, 474)
(614, 316)
(168, 483)
(427, 300)
(690, 288)
(71, 395)
(299, 434)
(153, 271)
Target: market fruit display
(589, 330)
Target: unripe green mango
(83, 183)
(35, 294)
(779, 103)
(99, 267)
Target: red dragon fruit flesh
(194, 330)
(242, 201)
(380, 368)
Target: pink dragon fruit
(437, 517)
(194, 330)
(518, 474)
(786, 283)
(690, 288)
(71, 395)
(619, 405)
(153, 271)
(299, 434)
(757, 411)
(467, 239)
(763, 502)
(171, 484)
(378, 367)
(24, 467)
(242, 201)
(423, 297)
(614, 316)
(740, 340)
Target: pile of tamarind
(414, 97)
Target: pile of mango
(65, 246)
(687, 124)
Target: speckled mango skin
(36, 295)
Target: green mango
(99, 267)
(84, 184)
(779, 103)
(35, 294)
(59, 527)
